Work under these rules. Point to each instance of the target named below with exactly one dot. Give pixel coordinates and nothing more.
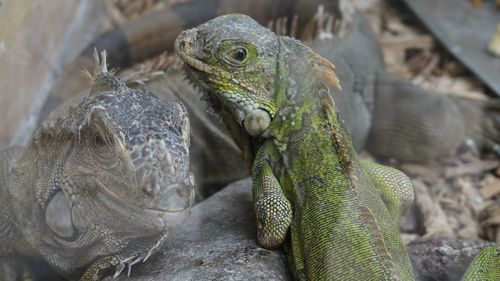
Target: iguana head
(223, 57)
(249, 69)
(112, 176)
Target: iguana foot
(95, 271)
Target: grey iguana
(103, 181)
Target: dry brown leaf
(471, 168)
(424, 42)
(395, 50)
(121, 11)
(472, 199)
(427, 174)
(490, 222)
(468, 232)
(148, 70)
(491, 188)
(434, 219)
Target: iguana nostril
(182, 44)
(183, 190)
(187, 44)
(151, 188)
(186, 41)
(175, 197)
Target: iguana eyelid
(228, 56)
(101, 129)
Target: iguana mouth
(161, 219)
(197, 64)
(141, 208)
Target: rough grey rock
(442, 260)
(217, 242)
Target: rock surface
(217, 242)
(442, 260)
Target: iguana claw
(119, 269)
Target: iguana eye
(103, 147)
(237, 56)
(98, 140)
(240, 54)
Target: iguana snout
(161, 184)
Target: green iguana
(103, 181)
(337, 216)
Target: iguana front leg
(272, 208)
(273, 212)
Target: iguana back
(340, 227)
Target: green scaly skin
(336, 215)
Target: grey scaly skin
(101, 184)
(337, 216)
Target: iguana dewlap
(336, 215)
(101, 184)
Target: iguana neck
(303, 100)
(300, 90)
(294, 76)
